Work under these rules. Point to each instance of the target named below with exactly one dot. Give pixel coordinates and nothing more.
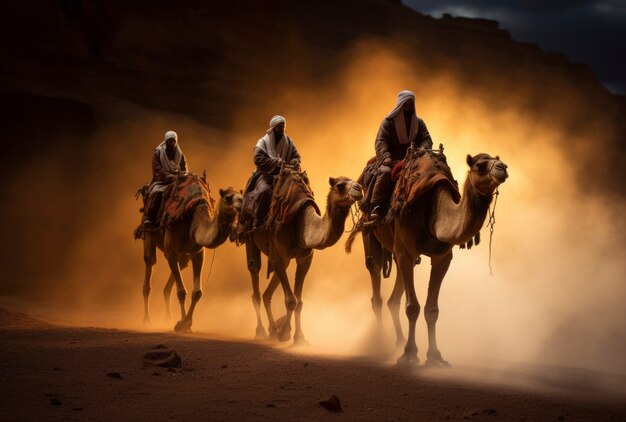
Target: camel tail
(350, 241)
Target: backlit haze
(558, 288)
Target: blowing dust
(558, 248)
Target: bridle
(488, 171)
(491, 222)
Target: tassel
(470, 244)
(477, 239)
(462, 246)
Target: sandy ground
(51, 372)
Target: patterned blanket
(291, 192)
(420, 171)
(183, 196)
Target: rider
(270, 153)
(168, 161)
(398, 130)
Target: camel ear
(470, 161)
(497, 157)
(241, 191)
(222, 192)
(331, 180)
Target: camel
(185, 240)
(431, 227)
(297, 239)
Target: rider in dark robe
(398, 130)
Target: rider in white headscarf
(398, 130)
(270, 153)
(168, 161)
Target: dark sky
(591, 32)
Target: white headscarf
(396, 114)
(170, 165)
(275, 121)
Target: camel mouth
(356, 192)
(499, 178)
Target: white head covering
(403, 97)
(275, 121)
(170, 134)
(404, 136)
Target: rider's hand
(387, 162)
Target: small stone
(332, 404)
(161, 356)
(270, 405)
(489, 411)
(55, 402)
(224, 366)
(156, 374)
(115, 375)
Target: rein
(490, 223)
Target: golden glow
(558, 252)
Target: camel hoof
(435, 360)
(408, 359)
(284, 334)
(260, 334)
(437, 363)
(183, 326)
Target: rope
(210, 267)
(355, 215)
(490, 224)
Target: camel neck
(206, 231)
(457, 223)
(320, 232)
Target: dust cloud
(558, 248)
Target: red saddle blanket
(183, 196)
(419, 172)
(291, 192)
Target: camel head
(486, 173)
(231, 201)
(344, 191)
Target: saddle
(291, 192)
(180, 199)
(420, 171)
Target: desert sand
(52, 372)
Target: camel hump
(292, 191)
(184, 196)
(421, 171)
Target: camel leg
(374, 263)
(167, 294)
(405, 264)
(438, 271)
(280, 269)
(180, 289)
(149, 259)
(394, 307)
(267, 302)
(301, 271)
(253, 256)
(196, 264)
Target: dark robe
(268, 156)
(388, 145)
